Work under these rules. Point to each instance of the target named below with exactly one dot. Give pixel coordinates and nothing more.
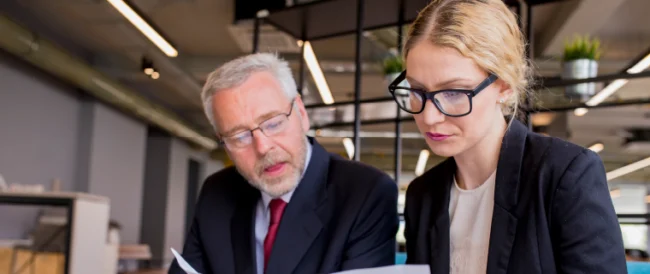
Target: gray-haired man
(287, 206)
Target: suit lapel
(242, 228)
(302, 220)
(439, 231)
(504, 219)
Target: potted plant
(393, 65)
(580, 60)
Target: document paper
(183, 264)
(393, 269)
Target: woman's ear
(505, 91)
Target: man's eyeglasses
(270, 127)
(450, 102)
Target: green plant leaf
(582, 47)
(393, 64)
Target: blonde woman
(507, 200)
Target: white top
(263, 217)
(470, 213)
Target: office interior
(104, 144)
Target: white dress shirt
(263, 216)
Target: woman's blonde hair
(485, 31)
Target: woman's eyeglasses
(450, 102)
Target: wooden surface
(135, 252)
(44, 263)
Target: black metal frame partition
(331, 18)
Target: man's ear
(302, 112)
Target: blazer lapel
(242, 228)
(504, 219)
(439, 231)
(302, 220)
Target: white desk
(88, 225)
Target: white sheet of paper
(393, 269)
(183, 264)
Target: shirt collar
(287, 197)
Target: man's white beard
(276, 187)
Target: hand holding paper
(183, 264)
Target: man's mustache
(269, 160)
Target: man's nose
(431, 115)
(261, 142)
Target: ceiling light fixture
(144, 27)
(147, 66)
(628, 169)
(349, 147)
(606, 92)
(316, 72)
(580, 111)
(597, 147)
(422, 162)
(640, 66)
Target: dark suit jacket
(552, 211)
(342, 215)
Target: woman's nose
(431, 115)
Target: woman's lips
(437, 136)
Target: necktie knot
(277, 208)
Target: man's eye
(240, 137)
(273, 125)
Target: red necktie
(277, 208)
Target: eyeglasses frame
(429, 95)
(223, 143)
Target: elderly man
(287, 206)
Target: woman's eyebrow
(448, 82)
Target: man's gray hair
(237, 71)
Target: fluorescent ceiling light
(317, 73)
(617, 84)
(580, 111)
(628, 169)
(349, 147)
(615, 193)
(422, 162)
(144, 27)
(597, 147)
(640, 66)
(606, 92)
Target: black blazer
(552, 211)
(342, 215)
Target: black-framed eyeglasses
(270, 127)
(450, 102)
